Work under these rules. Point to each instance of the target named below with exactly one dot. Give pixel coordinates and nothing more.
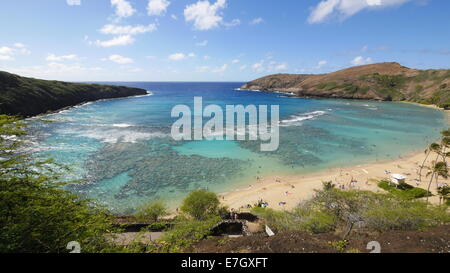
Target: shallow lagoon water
(123, 151)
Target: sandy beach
(285, 192)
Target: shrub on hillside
(201, 204)
(152, 211)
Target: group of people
(262, 204)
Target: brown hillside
(382, 81)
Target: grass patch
(328, 86)
(404, 191)
(302, 219)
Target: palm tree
(434, 147)
(440, 168)
(445, 144)
(328, 185)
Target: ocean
(124, 155)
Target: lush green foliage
(27, 96)
(201, 204)
(185, 233)
(404, 191)
(400, 214)
(347, 87)
(36, 214)
(307, 220)
(444, 194)
(152, 211)
(334, 209)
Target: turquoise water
(123, 152)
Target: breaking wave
(118, 133)
(297, 119)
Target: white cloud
(321, 64)
(233, 23)
(123, 8)
(7, 53)
(365, 49)
(117, 41)
(68, 68)
(157, 7)
(24, 51)
(257, 21)
(204, 43)
(120, 59)
(269, 67)
(361, 60)
(204, 14)
(6, 58)
(6, 50)
(129, 30)
(220, 69)
(86, 40)
(19, 45)
(235, 61)
(174, 17)
(73, 2)
(135, 70)
(346, 8)
(242, 67)
(258, 67)
(180, 56)
(202, 69)
(56, 71)
(54, 58)
(177, 57)
(280, 67)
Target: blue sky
(216, 40)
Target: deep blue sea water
(123, 151)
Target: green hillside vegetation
(27, 96)
(334, 210)
(392, 87)
(382, 81)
